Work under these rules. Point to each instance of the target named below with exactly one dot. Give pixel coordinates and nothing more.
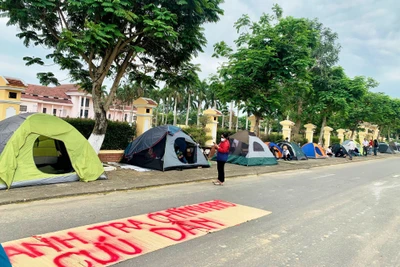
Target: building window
(86, 114)
(44, 110)
(54, 112)
(109, 116)
(23, 108)
(87, 103)
(12, 95)
(147, 110)
(126, 117)
(82, 102)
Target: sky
(368, 30)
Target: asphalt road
(346, 215)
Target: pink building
(68, 100)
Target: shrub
(299, 139)
(197, 133)
(118, 134)
(335, 140)
(272, 137)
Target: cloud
(367, 30)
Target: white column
(79, 106)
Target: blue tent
(275, 148)
(314, 151)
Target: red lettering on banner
(65, 241)
(137, 224)
(168, 233)
(45, 243)
(205, 222)
(12, 251)
(112, 251)
(101, 229)
(196, 208)
(162, 217)
(181, 212)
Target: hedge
(118, 134)
(197, 133)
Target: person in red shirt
(222, 157)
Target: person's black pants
(365, 151)
(221, 171)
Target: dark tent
(336, 147)
(163, 148)
(385, 148)
(294, 149)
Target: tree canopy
(98, 39)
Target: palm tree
(201, 96)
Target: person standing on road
(222, 157)
(376, 145)
(365, 147)
(352, 147)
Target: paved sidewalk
(122, 180)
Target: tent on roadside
(294, 149)
(385, 148)
(248, 150)
(394, 146)
(275, 149)
(38, 149)
(345, 144)
(164, 148)
(314, 151)
(337, 147)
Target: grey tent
(385, 148)
(394, 146)
(248, 150)
(163, 148)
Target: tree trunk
(297, 126)
(100, 127)
(198, 111)
(388, 134)
(230, 115)
(321, 133)
(257, 125)
(188, 111)
(163, 113)
(237, 117)
(175, 105)
(131, 117)
(223, 121)
(247, 121)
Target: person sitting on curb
(286, 154)
(329, 151)
(340, 153)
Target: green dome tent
(248, 150)
(40, 149)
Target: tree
(269, 53)
(201, 97)
(361, 105)
(98, 39)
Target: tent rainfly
(38, 149)
(294, 149)
(314, 151)
(164, 148)
(248, 150)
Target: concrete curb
(41, 193)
